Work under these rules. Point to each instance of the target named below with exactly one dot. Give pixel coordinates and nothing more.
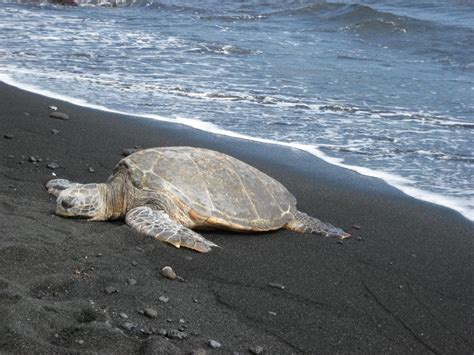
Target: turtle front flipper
(55, 186)
(157, 224)
(304, 223)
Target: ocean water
(382, 87)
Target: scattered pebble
(11, 186)
(134, 263)
(129, 326)
(179, 278)
(32, 159)
(340, 242)
(26, 113)
(59, 115)
(91, 170)
(123, 315)
(138, 248)
(188, 257)
(359, 238)
(182, 321)
(356, 226)
(52, 108)
(110, 289)
(54, 131)
(80, 341)
(256, 349)
(53, 165)
(272, 313)
(131, 281)
(150, 313)
(214, 344)
(8, 136)
(276, 285)
(168, 272)
(98, 255)
(176, 334)
(169, 320)
(146, 331)
(161, 331)
(164, 299)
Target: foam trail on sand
(466, 208)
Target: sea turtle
(167, 192)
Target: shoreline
(401, 284)
(392, 180)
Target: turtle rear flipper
(304, 223)
(157, 224)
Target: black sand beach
(402, 284)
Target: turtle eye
(67, 203)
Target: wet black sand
(403, 283)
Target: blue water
(385, 88)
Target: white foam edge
(396, 181)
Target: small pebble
(340, 242)
(256, 350)
(162, 332)
(198, 352)
(8, 136)
(91, 170)
(182, 321)
(110, 289)
(359, 238)
(11, 186)
(59, 115)
(53, 165)
(356, 226)
(146, 331)
(176, 334)
(32, 159)
(52, 108)
(98, 255)
(80, 341)
(272, 313)
(26, 113)
(134, 263)
(214, 344)
(54, 131)
(179, 278)
(123, 315)
(276, 285)
(169, 320)
(150, 313)
(164, 299)
(138, 248)
(168, 272)
(131, 281)
(129, 326)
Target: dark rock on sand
(176, 334)
(131, 281)
(110, 289)
(8, 136)
(53, 165)
(256, 349)
(59, 115)
(214, 344)
(164, 299)
(150, 313)
(168, 272)
(276, 285)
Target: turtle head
(86, 201)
